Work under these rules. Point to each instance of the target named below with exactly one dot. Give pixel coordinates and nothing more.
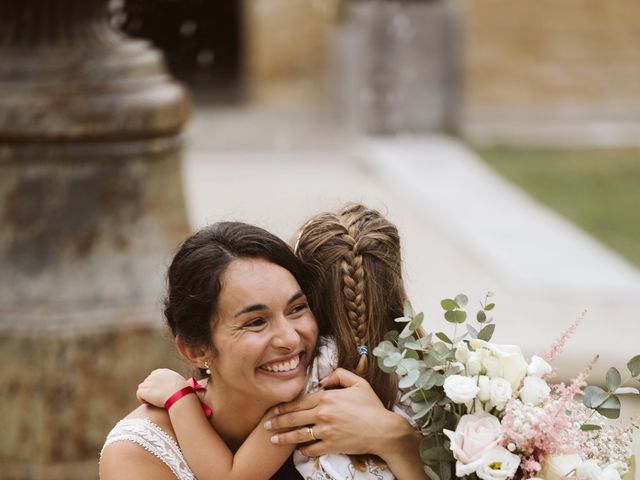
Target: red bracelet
(191, 388)
(178, 395)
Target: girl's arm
(350, 420)
(207, 454)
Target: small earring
(208, 370)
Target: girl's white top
(334, 466)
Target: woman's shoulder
(143, 430)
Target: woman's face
(264, 333)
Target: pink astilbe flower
(558, 345)
(552, 428)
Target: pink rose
(474, 435)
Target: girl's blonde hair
(357, 290)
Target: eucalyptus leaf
(462, 300)
(449, 304)
(408, 309)
(402, 319)
(587, 427)
(594, 396)
(473, 333)
(408, 394)
(431, 473)
(486, 333)
(481, 317)
(613, 378)
(384, 368)
(406, 331)
(634, 366)
(435, 453)
(416, 321)
(391, 336)
(439, 379)
(410, 379)
(489, 307)
(442, 336)
(627, 391)
(427, 379)
(392, 359)
(610, 408)
(455, 316)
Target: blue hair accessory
(362, 350)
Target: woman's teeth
(282, 366)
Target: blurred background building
(502, 136)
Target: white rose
(474, 363)
(462, 352)
(501, 392)
(513, 366)
(498, 464)
(534, 390)
(460, 389)
(592, 471)
(484, 394)
(538, 367)
(558, 466)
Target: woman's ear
(195, 355)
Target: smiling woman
(237, 308)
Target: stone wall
(285, 47)
(564, 62)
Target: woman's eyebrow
(251, 308)
(295, 296)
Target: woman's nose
(286, 335)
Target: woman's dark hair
(195, 272)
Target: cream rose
(559, 466)
(462, 352)
(484, 384)
(460, 389)
(474, 435)
(592, 471)
(474, 363)
(505, 361)
(538, 367)
(534, 390)
(498, 464)
(500, 392)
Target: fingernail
(267, 425)
(275, 439)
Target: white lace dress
(155, 440)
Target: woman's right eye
(255, 323)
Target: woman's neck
(233, 418)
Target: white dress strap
(155, 440)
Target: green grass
(599, 190)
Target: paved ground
(464, 229)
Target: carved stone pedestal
(91, 209)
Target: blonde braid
(353, 278)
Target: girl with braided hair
(355, 289)
(354, 258)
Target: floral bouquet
(486, 412)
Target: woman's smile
(288, 367)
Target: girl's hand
(159, 386)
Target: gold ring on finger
(310, 432)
